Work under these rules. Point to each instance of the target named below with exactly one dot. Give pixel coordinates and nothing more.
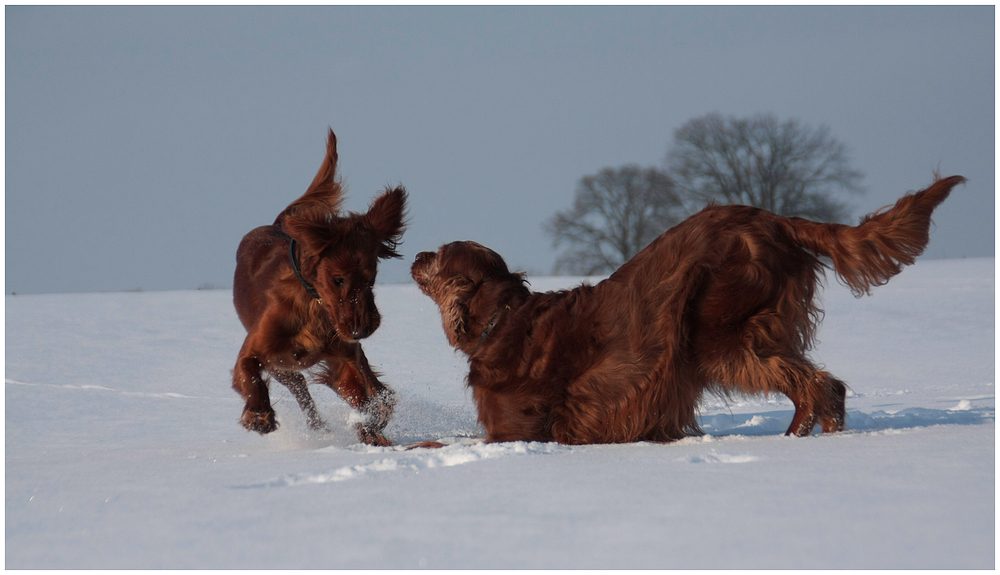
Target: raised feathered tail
(870, 253)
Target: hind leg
(821, 398)
(833, 411)
(818, 396)
(296, 383)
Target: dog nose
(359, 333)
(423, 256)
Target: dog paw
(372, 437)
(378, 409)
(833, 424)
(260, 421)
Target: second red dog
(724, 300)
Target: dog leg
(296, 383)
(833, 411)
(353, 379)
(379, 405)
(248, 380)
(817, 395)
(820, 400)
(804, 419)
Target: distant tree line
(788, 168)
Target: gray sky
(143, 142)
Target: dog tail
(875, 250)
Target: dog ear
(385, 218)
(324, 187)
(325, 192)
(455, 309)
(313, 229)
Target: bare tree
(787, 168)
(616, 213)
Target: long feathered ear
(313, 228)
(455, 308)
(385, 218)
(325, 193)
(324, 185)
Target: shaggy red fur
(723, 301)
(289, 330)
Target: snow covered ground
(123, 451)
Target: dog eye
(338, 281)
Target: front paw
(260, 421)
(372, 436)
(378, 409)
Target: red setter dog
(303, 290)
(723, 301)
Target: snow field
(123, 450)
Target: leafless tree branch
(615, 213)
(785, 167)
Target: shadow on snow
(776, 422)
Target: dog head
(469, 283)
(339, 253)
